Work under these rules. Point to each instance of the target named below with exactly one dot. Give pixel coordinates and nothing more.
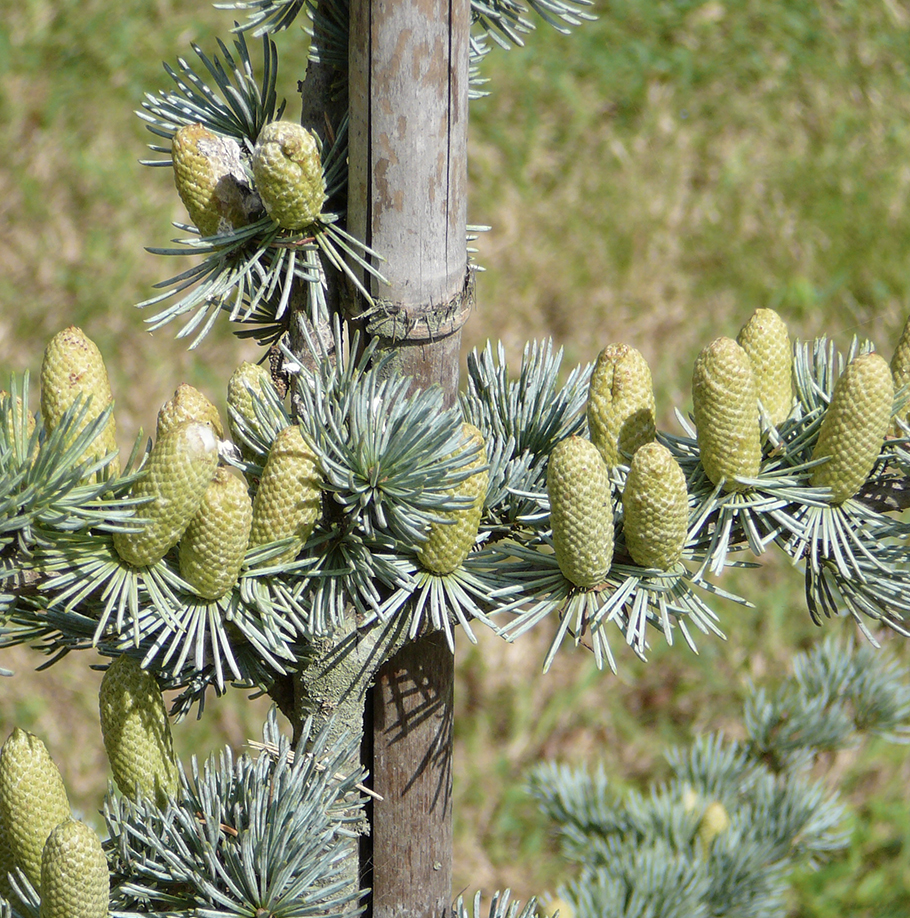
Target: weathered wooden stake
(407, 199)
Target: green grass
(650, 180)
(873, 877)
(677, 163)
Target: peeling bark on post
(407, 198)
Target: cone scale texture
(725, 405)
(178, 471)
(136, 732)
(74, 874)
(209, 176)
(655, 508)
(212, 549)
(448, 544)
(854, 427)
(288, 501)
(247, 379)
(33, 800)
(188, 404)
(288, 174)
(73, 366)
(581, 513)
(767, 342)
(620, 403)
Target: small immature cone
(73, 366)
(247, 379)
(288, 173)
(74, 874)
(288, 501)
(178, 471)
(214, 544)
(714, 820)
(188, 404)
(210, 179)
(767, 342)
(32, 800)
(690, 798)
(726, 414)
(8, 420)
(900, 374)
(655, 508)
(620, 403)
(854, 427)
(448, 544)
(136, 732)
(581, 513)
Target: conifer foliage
(736, 817)
(349, 508)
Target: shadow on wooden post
(412, 762)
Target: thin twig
(272, 750)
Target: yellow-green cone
(288, 501)
(714, 820)
(188, 404)
(74, 875)
(288, 173)
(767, 342)
(620, 403)
(6, 407)
(32, 800)
(854, 426)
(655, 508)
(581, 513)
(207, 172)
(214, 544)
(726, 413)
(179, 469)
(900, 374)
(73, 366)
(247, 379)
(448, 544)
(136, 731)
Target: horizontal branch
(888, 495)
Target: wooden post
(407, 196)
(407, 180)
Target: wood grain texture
(407, 198)
(412, 769)
(408, 176)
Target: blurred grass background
(651, 180)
